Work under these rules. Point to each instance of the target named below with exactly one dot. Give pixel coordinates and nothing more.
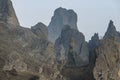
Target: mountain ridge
(30, 54)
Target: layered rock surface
(61, 17)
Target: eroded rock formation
(107, 63)
(71, 48)
(61, 17)
(28, 54)
(25, 54)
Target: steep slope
(58, 52)
(61, 17)
(71, 47)
(108, 56)
(24, 53)
(73, 55)
(112, 32)
(94, 42)
(107, 64)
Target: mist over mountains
(55, 52)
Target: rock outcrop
(27, 53)
(112, 32)
(94, 42)
(61, 17)
(73, 55)
(107, 64)
(7, 13)
(40, 30)
(71, 48)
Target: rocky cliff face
(73, 55)
(108, 56)
(71, 48)
(25, 54)
(107, 63)
(7, 13)
(94, 42)
(28, 54)
(61, 17)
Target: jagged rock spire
(7, 13)
(111, 31)
(94, 42)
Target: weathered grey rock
(21, 50)
(14, 61)
(94, 42)
(61, 17)
(40, 30)
(71, 48)
(7, 13)
(112, 32)
(73, 55)
(93, 45)
(107, 63)
(26, 54)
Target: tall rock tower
(61, 17)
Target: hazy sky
(93, 15)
